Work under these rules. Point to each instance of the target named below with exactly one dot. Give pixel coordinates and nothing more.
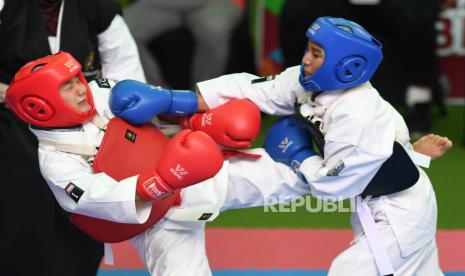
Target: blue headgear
(351, 55)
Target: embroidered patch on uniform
(336, 169)
(103, 83)
(205, 216)
(130, 135)
(73, 191)
(267, 78)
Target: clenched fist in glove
(288, 142)
(189, 158)
(234, 124)
(137, 102)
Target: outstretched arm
(272, 94)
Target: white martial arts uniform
(359, 128)
(176, 244)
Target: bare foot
(432, 145)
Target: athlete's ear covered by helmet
(34, 93)
(351, 55)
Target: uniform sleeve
(118, 52)
(344, 173)
(273, 95)
(79, 190)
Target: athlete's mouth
(82, 102)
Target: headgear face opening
(34, 94)
(351, 55)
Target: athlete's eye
(66, 86)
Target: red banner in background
(451, 49)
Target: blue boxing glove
(137, 102)
(288, 142)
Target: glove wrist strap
(153, 188)
(183, 102)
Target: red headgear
(34, 94)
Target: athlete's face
(74, 93)
(313, 58)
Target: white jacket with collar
(359, 128)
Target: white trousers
(406, 217)
(358, 260)
(174, 248)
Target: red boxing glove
(189, 158)
(234, 124)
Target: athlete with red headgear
(51, 93)
(71, 119)
(46, 98)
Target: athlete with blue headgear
(362, 147)
(351, 55)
